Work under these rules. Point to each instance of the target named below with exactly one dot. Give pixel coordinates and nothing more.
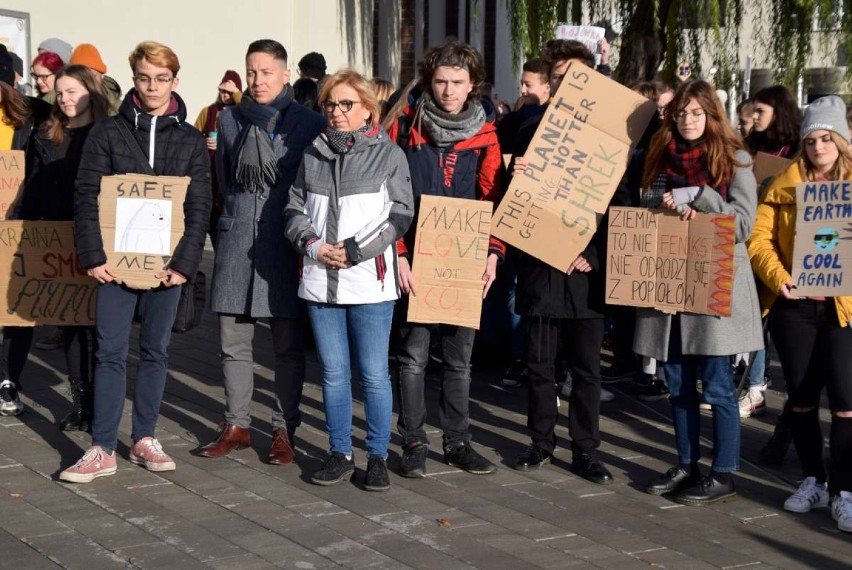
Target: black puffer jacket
(179, 150)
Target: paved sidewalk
(238, 512)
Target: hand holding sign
(103, 273)
(490, 273)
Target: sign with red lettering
(656, 259)
(575, 162)
(11, 179)
(43, 283)
(450, 251)
(822, 247)
(141, 224)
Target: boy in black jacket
(156, 119)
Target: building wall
(208, 36)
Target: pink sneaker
(95, 463)
(149, 453)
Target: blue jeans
(757, 372)
(716, 377)
(366, 330)
(115, 306)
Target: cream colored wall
(208, 36)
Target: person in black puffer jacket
(156, 119)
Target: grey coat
(709, 335)
(256, 270)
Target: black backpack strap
(134, 147)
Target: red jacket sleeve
(490, 187)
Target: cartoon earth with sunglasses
(826, 239)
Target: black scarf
(256, 160)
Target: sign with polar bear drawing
(141, 224)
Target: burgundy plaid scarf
(686, 165)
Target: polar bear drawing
(145, 229)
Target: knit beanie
(826, 114)
(313, 65)
(89, 56)
(232, 75)
(7, 72)
(61, 48)
(17, 63)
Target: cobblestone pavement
(238, 512)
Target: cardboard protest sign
(42, 282)
(589, 36)
(822, 247)
(450, 251)
(141, 224)
(768, 166)
(655, 259)
(576, 160)
(11, 179)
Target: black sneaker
(463, 456)
(335, 470)
(413, 464)
(652, 390)
(10, 403)
(515, 375)
(377, 475)
(532, 458)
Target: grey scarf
(341, 141)
(445, 129)
(257, 165)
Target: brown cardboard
(450, 252)
(576, 160)
(141, 224)
(768, 166)
(11, 179)
(822, 246)
(655, 259)
(42, 282)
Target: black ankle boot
(72, 421)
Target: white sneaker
(841, 511)
(809, 495)
(606, 395)
(752, 403)
(10, 403)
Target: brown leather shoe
(231, 437)
(281, 452)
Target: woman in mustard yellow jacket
(813, 335)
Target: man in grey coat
(260, 146)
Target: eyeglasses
(694, 115)
(37, 77)
(159, 80)
(345, 106)
(825, 238)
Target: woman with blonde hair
(697, 163)
(813, 335)
(350, 202)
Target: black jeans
(78, 344)
(581, 347)
(16, 349)
(413, 355)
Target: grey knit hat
(826, 114)
(60, 47)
